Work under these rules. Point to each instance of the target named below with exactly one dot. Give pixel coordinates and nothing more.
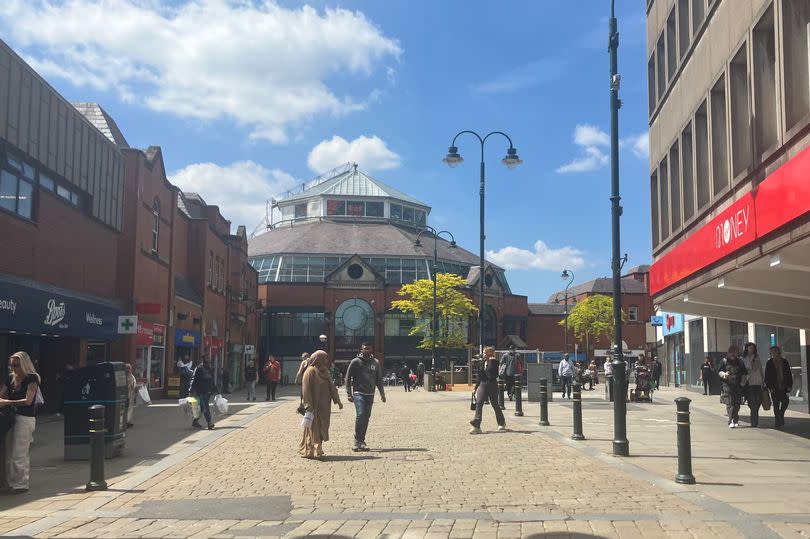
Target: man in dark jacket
(510, 365)
(362, 377)
(779, 381)
(202, 385)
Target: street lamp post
(567, 274)
(453, 158)
(621, 447)
(435, 322)
(323, 338)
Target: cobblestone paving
(425, 476)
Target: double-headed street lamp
(566, 274)
(435, 323)
(511, 160)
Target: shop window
(632, 314)
(687, 178)
(672, 50)
(656, 225)
(683, 27)
(335, 207)
(155, 225)
(764, 82)
(795, 18)
(374, 209)
(698, 14)
(301, 211)
(702, 156)
(740, 113)
(651, 84)
(663, 178)
(660, 66)
(675, 186)
(16, 193)
(719, 137)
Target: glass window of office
(16, 192)
(739, 334)
(787, 339)
(696, 351)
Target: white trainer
(501, 428)
(475, 430)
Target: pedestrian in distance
(20, 392)
(755, 381)
(131, 390)
(706, 373)
(405, 375)
(185, 368)
(732, 371)
(362, 377)
(486, 389)
(272, 372)
(299, 376)
(566, 373)
(420, 374)
(608, 366)
(319, 392)
(779, 381)
(594, 374)
(202, 385)
(510, 366)
(657, 369)
(251, 377)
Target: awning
(32, 307)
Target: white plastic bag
(306, 421)
(142, 396)
(221, 404)
(190, 406)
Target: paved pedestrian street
(425, 476)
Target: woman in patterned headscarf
(318, 395)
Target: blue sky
(247, 99)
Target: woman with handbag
(20, 392)
(318, 394)
(755, 377)
(732, 371)
(487, 388)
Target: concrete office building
(729, 115)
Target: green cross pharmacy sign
(127, 324)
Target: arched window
(155, 225)
(354, 323)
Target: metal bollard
(577, 413)
(684, 443)
(544, 402)
(501, 389)
(97, 432)
(518, 396)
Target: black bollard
(684, 443)
(501, 388)
(544, 402)
(97, 432)
(518, 395)
(577, 413)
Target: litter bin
(430, 381)
(103, 383)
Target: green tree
(593, 318)
(453, 308)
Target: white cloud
(523, 76)
(543, 257)
(240, 189)
(258, 64)
(370, 153)
(593, 140)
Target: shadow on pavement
(399, 449)
(346, 458)
(563, 535)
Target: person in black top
(405, 374)
(487, 386)
(20, 391)
(732, 371)
(706, 372)
(779, 381)
(202, 385)
(251, 377)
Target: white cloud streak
(240, 189)
(595, 142)
(543, 257)
(370, 153)
(257, 64)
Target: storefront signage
(27, 308)
(184, 337)
(657, 320)
(150, 334)
(158, 335)
(128, 325)
(673, 323)
(776, 201)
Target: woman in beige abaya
(318, 394)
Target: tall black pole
(481, 265)
(433, 327)
(565, 337)
(621, 447)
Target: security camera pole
(621, 447)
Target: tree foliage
(453, 308)
(593, 317)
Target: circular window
(355, 271)
(488, 280)
(354, 317)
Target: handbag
(301, 410)
(472, 401)
(766, 399)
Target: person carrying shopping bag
(20, 391)
(319, 392)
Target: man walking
(566, 373)
(405, 374)
(510, 365)
(657, 368)
(202, 385)
(362, 377)
(273, 373)
(420, 374)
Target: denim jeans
(362, 406)
(251, 387)
(205, 409)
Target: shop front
(56, 327)
(674, 348)
(150, 355)
(186, 349)
(214, 347)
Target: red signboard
(735, 227)
(150, 334)
(780, 198)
